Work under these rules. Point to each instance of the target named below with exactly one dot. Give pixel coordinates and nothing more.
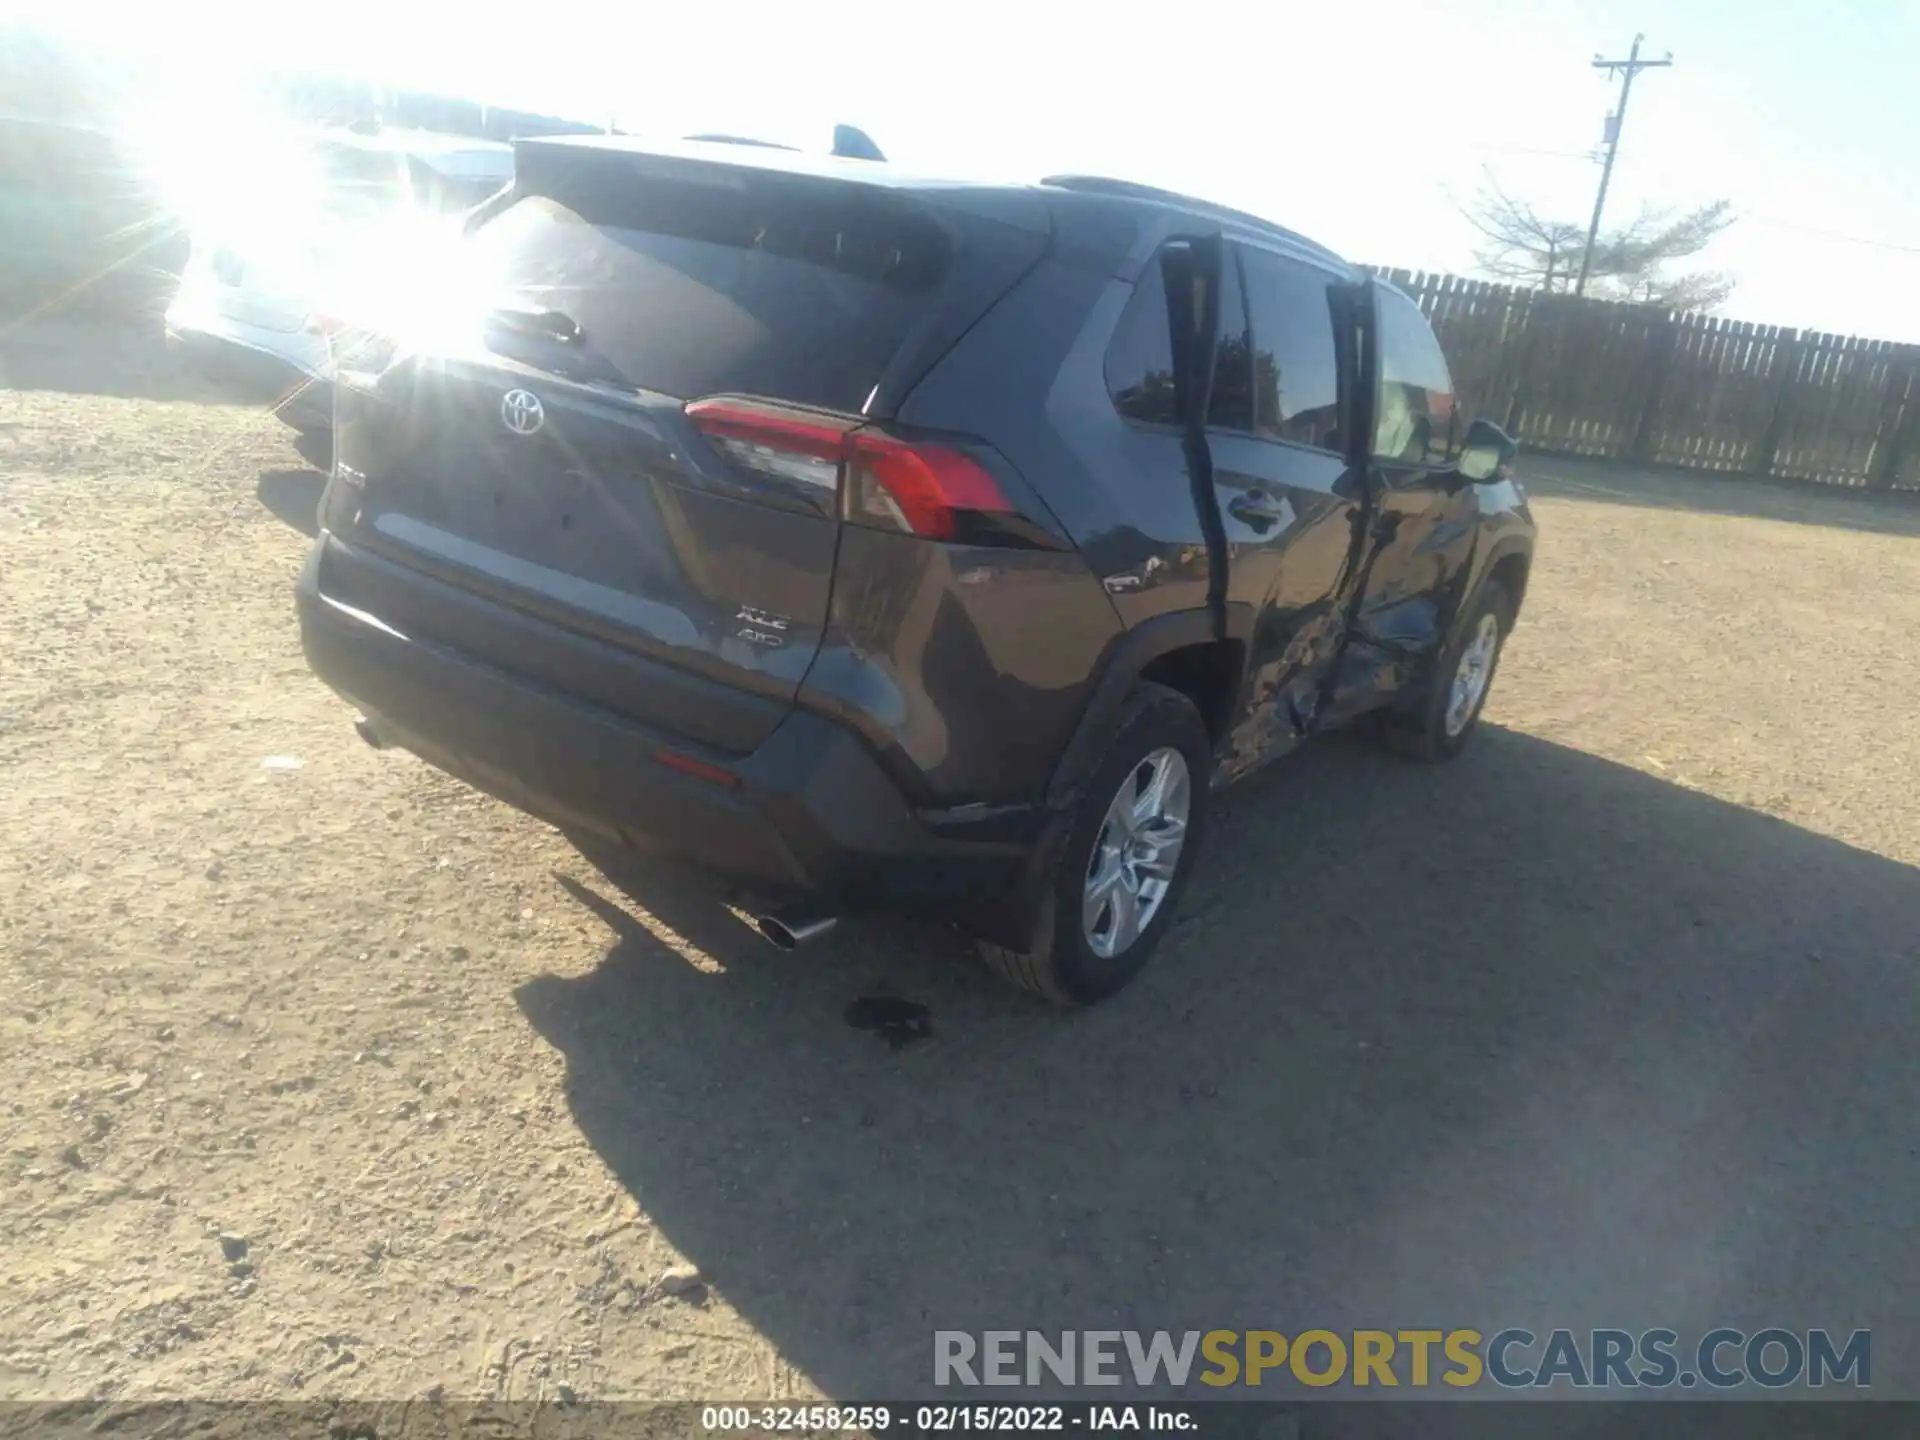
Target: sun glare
(230, 168)
(323, 215)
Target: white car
(252, 310)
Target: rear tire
(1434, 728)
(1117, 866)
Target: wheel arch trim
(1120, 670)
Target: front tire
(1129, 853)
(1444, 718)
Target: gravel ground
(325, 1076)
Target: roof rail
(737, 140)
(1102, 185)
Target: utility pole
(1627, 68)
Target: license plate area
(536, 502)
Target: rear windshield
(700, 290)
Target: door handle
(1257, 508)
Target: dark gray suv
(874, 541)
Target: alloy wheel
(1137, 853)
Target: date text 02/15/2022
(944, 1419)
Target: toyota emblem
(521, 412)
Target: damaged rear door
(1259, 382)
(1289, 491)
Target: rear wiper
(550, 324)
(558, 344)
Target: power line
(1833, 234)
(1627, 68)
(1587, 155)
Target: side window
(1230, 407)
(1296, 376)
(1416, 421)
(1139, 362)
(1140, 357)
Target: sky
(1363, 123)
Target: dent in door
(1410, 592)
(1409, 599)
(1290, 564)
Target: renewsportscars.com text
(1720, 1359)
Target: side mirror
(1488, 452)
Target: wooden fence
(1631, 382)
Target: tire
(1063, 962)
(1423, 731)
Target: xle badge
(760, 627)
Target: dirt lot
(326, 1076)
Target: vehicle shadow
(1531, 1039)
(316, 448)
(293, 497)
(1879, 512)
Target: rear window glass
(694, 291)
(1140, 358)
(1230, 407)
(1139, 361)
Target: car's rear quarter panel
(971, 668)
(966, 668)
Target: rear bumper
(284, 373)
(808, 813)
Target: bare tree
(1701, 290)
(1631, 263)
(1524, 247)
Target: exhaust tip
(369, 732)
(775, 933)
(790, 933)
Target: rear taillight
(937, 491)
(928, 489)
(794, 445)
